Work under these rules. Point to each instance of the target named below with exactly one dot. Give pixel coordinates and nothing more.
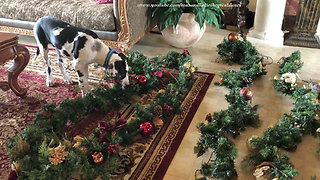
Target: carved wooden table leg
(20, 62)
(10, 49)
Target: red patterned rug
(149, 157)
(152, 156)
(17, 113)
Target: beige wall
(252, 4)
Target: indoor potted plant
(182, 22)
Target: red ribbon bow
(185, 53)
(104, 128)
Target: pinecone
(157, 111)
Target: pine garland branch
(239, 113)
(33, 148)
(236, 50)
(287, 134)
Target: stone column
(268, 22)
(305, 29)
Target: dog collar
(106, 61)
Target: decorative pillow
(104, 1)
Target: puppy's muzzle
(124, 81)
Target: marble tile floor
(274, 103)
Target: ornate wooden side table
(11, 50)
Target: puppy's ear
(123, 57)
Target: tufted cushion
(81, 13)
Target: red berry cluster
(112, 148)
(167, 108)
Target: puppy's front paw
(68, 81)
(84, 91)
(50, 83)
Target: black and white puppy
(82, 46)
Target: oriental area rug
(17, 113)
(147, 158)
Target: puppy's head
(118, 69)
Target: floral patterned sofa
(120, 24)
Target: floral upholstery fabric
(81, 13)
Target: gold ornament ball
(233, 36)
(162, 91)
(97, 157)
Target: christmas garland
(42, 151)
(288, 77)
(287, 134)
(239, 114)
(265, 156)
(236, 49)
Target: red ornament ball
(233, 36)
(147, 128)
(142, 79)
(158, 73)
(246, 92)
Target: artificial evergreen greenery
(172, 60)
(243, 77)
(214, 135)
(236, 50)
(287, 134)
(240, 113)
(281, 86)
(33, 148)
(279, 163)
(284, 136)
(224, 162)
(289, 66)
